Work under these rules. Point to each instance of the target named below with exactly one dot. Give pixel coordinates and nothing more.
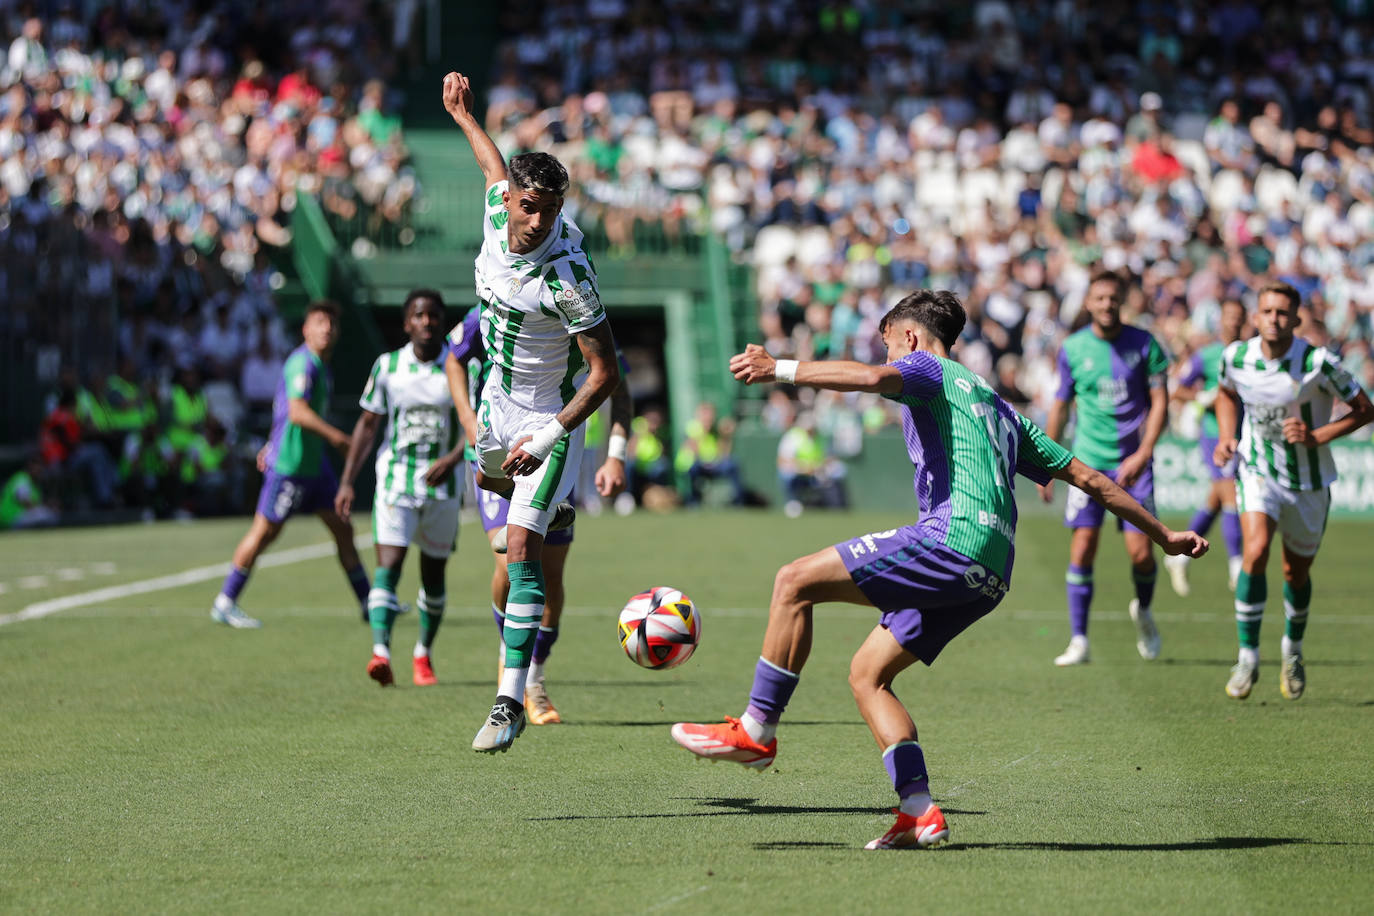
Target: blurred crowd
(150, 158)
(855, 150)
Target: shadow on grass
(735, 807)
(1207, 845)
(633, 723)
(1266, 663)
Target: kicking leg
(798, 587)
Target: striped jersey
(966, 444)
(533, 305)
(1110, 381)
(1303, 383)
(421, 426)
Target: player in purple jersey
(931, 580)
(1114, 375)
(296, 477)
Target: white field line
(162, 583)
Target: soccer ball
(659, 628)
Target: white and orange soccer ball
(659, 628)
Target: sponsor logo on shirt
(578, 302)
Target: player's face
(1104, 305)
(532, 215)
(425, 323)
(901, 338)
(1232, 322)
(320, 332)
(1275, 318)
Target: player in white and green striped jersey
(1287, 388)
(554, 363)
(418, 494)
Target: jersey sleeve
(570, 291)
(1156, 363)
(1228, 354)
(300, 375)
(464, 342)
(494, 213)
(1065, 389)
(1037, 455)
(1336, 379)
(374, 394)
(1192, 372)
(922, 376)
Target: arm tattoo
(598, 349)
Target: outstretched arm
(755, 367)
(459, 104)
(1122, 504)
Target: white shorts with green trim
(432, 526)
(1301, 514)
(501, 424)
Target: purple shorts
(494, 509)
(1208, 446)
(1082, 511)
(928, 593)
(283, 495)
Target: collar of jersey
(538, 254)
(408, 351)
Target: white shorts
(431, 526)
(1301, 514)
(501, 424)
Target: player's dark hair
(1285, 290)
(328, 306)
(417, 295)
(538, 172)
(936, 310)
(1112, 277)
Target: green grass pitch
(154, 762)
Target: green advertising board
(1182, 479)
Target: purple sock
(1230, 532)
(907, 766)
(1079, 584)
(1202, 521)
(357, 577)
(543, 643)
(772, 689)
(500, 617)
(1144, 585)
(234, 583)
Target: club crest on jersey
(577, 302)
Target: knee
(788, 585)
(1255, 555)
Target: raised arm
(459, 104)
(755, 367)
(1123, 505)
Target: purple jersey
(1111, 381)
(292, 451)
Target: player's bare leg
(1079, 587)
(871, 673)
(342, 532)
(797, 588)
(1257, 531)
(1297, 598)
(261, 533)
(1143, 574)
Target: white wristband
(616, 446)
(785, 371)
(543, 441)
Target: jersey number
(1002, 437)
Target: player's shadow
(1213, 844)
(640, 723)
(734, 807)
